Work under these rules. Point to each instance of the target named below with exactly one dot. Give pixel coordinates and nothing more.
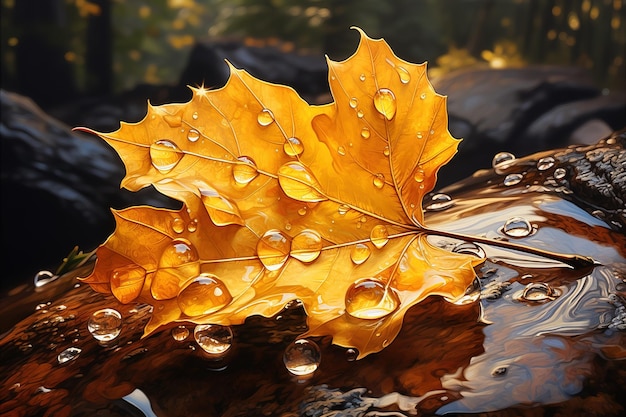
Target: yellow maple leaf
(284, 200)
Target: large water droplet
(517, 227)
(385, 103)
(306, 246)
(299, 183)
(439, 202)
(502, 160)
(302, 357)
(105, 325)
(293, 147)
(545, 163)
(539, 292)
(369, 298)
(177, 263)
(469, 248)
(68, 355)
(213, 338)
(204, 294)
(512, 179)
(560, 173)
(365, 133)
(273, 249)
(265, 117)
(379, 180)
(353, 102)
(193, 135)
(379, 235)
(245, 170)
(165, 155)
(405, 76)
(180, 333)
(359, 253)
(44, 277)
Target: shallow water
(542, 339)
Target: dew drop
(105, 325)
(419, 135)
(273, 249)
(423, 96)
(178, 225)
(379, 236)
(343, 209)
(341, 150)
(517, 227)
(244, 170)
(293, 146)
(359, 253)
(302, 357)
(360, 114)
(265, 117)
(439, 202)
(306, 246)
(538, 292)
(369, 298)
(362, 77)
(213, 338)
(559, 173)
(180, 333)
(192, 226)
(193, 135)
(194, 116)
(512, 179)
(353, 102)
(385, 103)
(165, 155)
(545, 163)
(419, 175)
(365, 133)
(469, 248)
(379, 181)
(352, 355)
(204, 294)
(502, 160)
(68, 355)
(302, 211)
(299, 183)
(43, 278)
(405, 76)
(177, 262)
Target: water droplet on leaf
(379, 235)
(302, 357)
(245, 170)
(341, 150)
(265, 117)
(379, 180)
(299, 183)
(362, 77)
(165, 155)
(273, 249)
(365, 133)
(204, 294)
(517, 227)
(343, 209)
(178, 225)
(353, 102)
(105, 325)
(360, 114)
(469, 248)
(293, 146)
(405, 76)
(423, 96)
(419, 175)
(193, 135)
(213, 338)
(194, 116)
(306, 246)
(385, 103)
(359, 253)
(177, 263)
(369, 298)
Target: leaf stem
(573, 260)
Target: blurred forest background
(59, 50)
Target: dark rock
(57, 187)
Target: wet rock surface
(533, 337)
